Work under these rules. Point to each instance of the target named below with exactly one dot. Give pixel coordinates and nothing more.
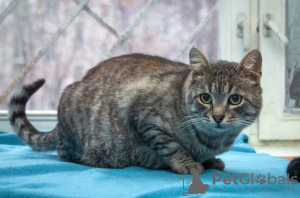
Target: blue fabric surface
(25, 173)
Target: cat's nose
(218, 118)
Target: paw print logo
(260, 179)
(195, 185)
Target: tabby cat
(141, 110)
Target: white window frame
(275, 122)
(42, 120)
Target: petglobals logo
(195, 185)
(251, 179)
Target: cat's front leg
(182, 163)
(214, 163)
(173, 153)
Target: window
(293, 57)
(221, 29)
(163, 31)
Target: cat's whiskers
(189, 124)
(194, 121)
(188, 121)
(246, 122)
(186, 118)
(196, 129)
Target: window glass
(293, 57)
(30, 25)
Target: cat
(293, 169)
(148, 111)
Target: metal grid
(82, 5)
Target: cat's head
(223, 96)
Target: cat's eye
(205, 98)
(235, 99)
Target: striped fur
(140, 110)
(37, 140)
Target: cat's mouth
(219, 127)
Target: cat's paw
(214, 163)
(189, 168)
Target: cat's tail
(37, 140)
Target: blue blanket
(25, 173)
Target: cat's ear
(251, 63)
(198, 61)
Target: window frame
(41, 120)
(275, 122)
